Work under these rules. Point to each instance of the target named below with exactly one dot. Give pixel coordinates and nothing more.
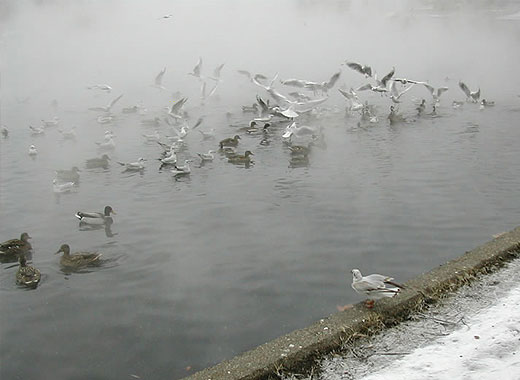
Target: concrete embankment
(298, 351)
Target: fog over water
(202, 267)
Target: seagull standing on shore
(374, 286)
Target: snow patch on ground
(473, 334)
(488, 348)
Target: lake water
(203, 267)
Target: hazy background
(202, 268)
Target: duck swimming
(96, 217)
(241, 159)
(27, 275)
(394, 117)
(101, 162)
(78, 259)
(71, 175)
(231, 141)
(14, 247)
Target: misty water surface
(203, 267)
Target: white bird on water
(52, 122)
(207, 156)
(33, 151)
(65, 187)
(36, 130)
(107, 143)
(133, 166)
(170, 159)
(374, 286)
(69, 134)
(180, 170)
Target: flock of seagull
(292, 115)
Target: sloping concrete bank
(298, 351)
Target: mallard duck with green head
(96, 217)
(27, 275)
(241, 159)
(230, 141)
(78, 259)
(14, 247)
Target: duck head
(108, 211)
(64, 248)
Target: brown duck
(230, 141)
(15, 247)
(27, 275)
(78, 259)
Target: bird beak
(113, 212)
(58, 252)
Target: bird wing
(203, 90)
(355, 66)
(387, 77)
(464, 88)
(176, 107)
(198, 67)
(218, 69)
(405, 90)
(346, 94)
(245, 72)
(81, 214)
(332, 81)
(441, 90)
(367, 86)
(429, 87)
(290, 112)
(213, 89)
(115, 101)
(262, 103)
(158, 78)
(294, 82)
(199, 122)
(279, 97)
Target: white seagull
(37, 130)
(362, 69)
(65, 187)
(133, 166)
(108, 107)
(102, 87)
(176, 109)
(158, 80)
(206, 156)
(472, 96)
(395, 94)
(435, 92)
(197, 69)
(33, 151)
(374, 286)
(180, 170)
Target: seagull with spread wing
(472, 96)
